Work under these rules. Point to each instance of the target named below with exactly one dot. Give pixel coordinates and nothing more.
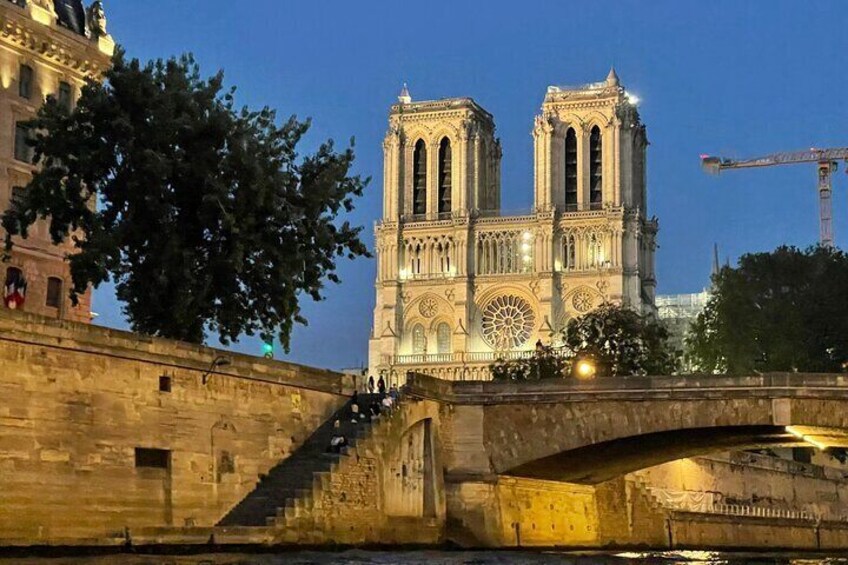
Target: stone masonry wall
(78, 402)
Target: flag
(14, 290)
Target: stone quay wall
(102, 430)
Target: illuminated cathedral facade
(460, 285)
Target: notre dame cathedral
(460, 285)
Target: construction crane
(827, 160)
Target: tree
(779, 311)
(207, 218)
(546, 363)
(617, 340)
(622, 342)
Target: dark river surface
(356, 557)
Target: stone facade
(45, 52)
(102, 430)
(459, 283)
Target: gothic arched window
(570, 170)
(443, 338)
(596, 162)
(419, 178)
(419, 340)
(445, 176)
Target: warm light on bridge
(804, 437)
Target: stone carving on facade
(428, 307)
(46, 4)
(508, 322)
(96, 19)
(582, 301)
(449, 293)
(533, 285)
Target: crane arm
(715, 164)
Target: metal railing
(761, 512)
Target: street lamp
(220, 361)
(585, 368)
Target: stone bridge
(590, 432)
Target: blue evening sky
(727, 77)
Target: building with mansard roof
(49, 47)
(459, 284)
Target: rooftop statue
(96, 19)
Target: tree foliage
(546, 363)
(207, 217)
(780, 311)
(617, 340)
(622, 342)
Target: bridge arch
(591, 432)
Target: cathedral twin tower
(458, 284)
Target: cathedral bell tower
(441, 169)
(441, 160)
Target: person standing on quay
(381, 386)
(371, 384)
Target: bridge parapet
(769, 385)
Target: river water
(356, 557)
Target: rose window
(428, 307)
(508, 322)
(582, 301)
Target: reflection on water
(355, 557)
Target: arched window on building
(596, 162)
(54, 292)
(416, 251)
(14, 288)
(445, 176)
(419, 178)
(443, 338)
(571, 170)
(419, 340)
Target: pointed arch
(596, 162)
(419, 339)
(571, 184)
(419, 178)
(443, 338)
(445, 176)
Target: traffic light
(268, 350)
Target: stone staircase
(286, 490)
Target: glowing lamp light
(525, 247)
(527, 236)
(403, 274)
(268, 350)
(585, 370)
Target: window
(54, 292)
(570, 170)
(445, 176)
(164, 383)
(443, 338)
(419, 179)
(152, 458)
(596, 190)
(23, 150)
(13, 275)
(419, 341)
(65, 95)
(25, 82)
